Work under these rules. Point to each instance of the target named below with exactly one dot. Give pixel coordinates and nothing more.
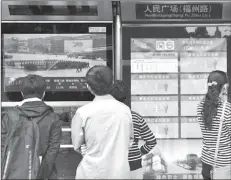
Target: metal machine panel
(56, 10)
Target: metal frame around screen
(88, 95)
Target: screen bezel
(79, 28)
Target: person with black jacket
(33, 90)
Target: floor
(67, 162)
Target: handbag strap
(219, 133)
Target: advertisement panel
(168, 80)
(154, 84)
(155, 105)
(163, 127)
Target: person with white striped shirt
(209, 113)
(141, 129)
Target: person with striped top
(141, 129)
(209, 113)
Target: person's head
(99, 80)
(201, 31)
(217, 90)
(119, 91)
(32, 86)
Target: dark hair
(100, 79)
(32, 86)
(119, 91)
(212, 96)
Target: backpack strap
(35, 122)
(222, 118)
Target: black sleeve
(53, 147)
(148, 136)
(6, 124)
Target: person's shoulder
(50, 113)
(12, 113)
(53, 117)
(228, 106)
(137, 118)
(228, 111)
(121, 106)
(136, 115)
(200, 104)
(85, 108)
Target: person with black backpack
(30, 135)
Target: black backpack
(21, 156)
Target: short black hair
(32, 86)
(119, 91)
(100, 79)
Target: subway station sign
(179, 11)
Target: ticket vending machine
(59, 40)
(168, 50)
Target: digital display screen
(60, 52)
(62, 59)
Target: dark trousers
(206, 169)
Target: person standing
(209, 113)
(120, 92)
(46, 134)
(104, 127)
